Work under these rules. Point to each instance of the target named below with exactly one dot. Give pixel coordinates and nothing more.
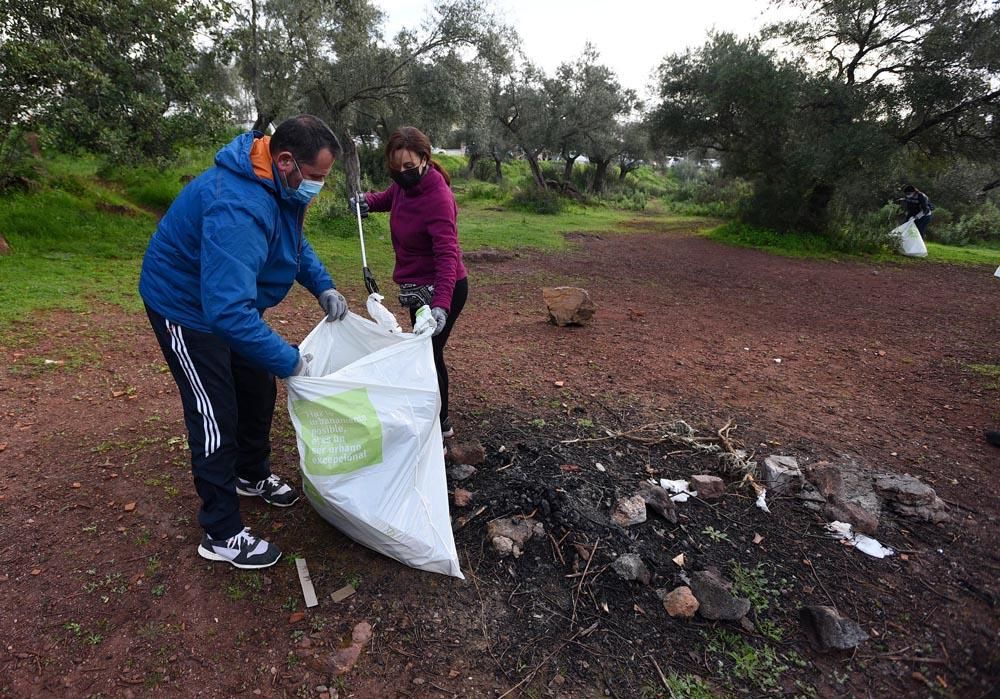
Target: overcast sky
(632, 36)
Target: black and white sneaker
(272, 489)
(447, 431)
(243, 550)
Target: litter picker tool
(367, 273)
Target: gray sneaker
(272, 489)
(242, 550)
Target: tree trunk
(568, 168)
(473, 160)
(536, 170)
(264, 119)
(496, 164)
(352, 164)
(600, 175)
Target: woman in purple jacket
(422, 219)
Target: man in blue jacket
(228, 248)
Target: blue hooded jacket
(228, 248)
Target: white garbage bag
(382, 316)
(910, 241)
(369, 438)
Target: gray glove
(335, 305)
(302, 368)
(352, 204)
(440, 317)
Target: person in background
(422, 221)
(917, 206)
(229, 247)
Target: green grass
(990, 371)
(816, 246)
(966, 255)
(79, 239)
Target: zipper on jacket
(298, 255)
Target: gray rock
(459, 472)
(629, 511)
(863, 520)
(827, 630)
(509, 534)
(568, 305)
(715, 597)
(904, 489)
(782, 474)
(708, 487)
(810, 495)
(826, 477)
(936, 512)
(630, 567)
(658, 500)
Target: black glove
(413, 296)
(359, 199)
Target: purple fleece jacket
(424, 235)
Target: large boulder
(568, 305)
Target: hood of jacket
(249, 156)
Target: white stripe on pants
(212, 437)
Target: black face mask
(407, 179)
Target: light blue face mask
(306, 191)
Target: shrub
(627, 198)
(18, 168)
(867, 232)
(485, 170)
(538, 201)
(981, 224)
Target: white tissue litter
(679, 488)
(865, 544)
(762, 500)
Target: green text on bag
(342, 433)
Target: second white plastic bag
(911, 243)
(369, 438)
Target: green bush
(373, 171)
(485, 170)
(866, 232)
(627, 198)
(981, 224)
(538, 201)
(19, 170)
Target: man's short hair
(304, 136)
(909, 189)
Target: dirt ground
(102, 593)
